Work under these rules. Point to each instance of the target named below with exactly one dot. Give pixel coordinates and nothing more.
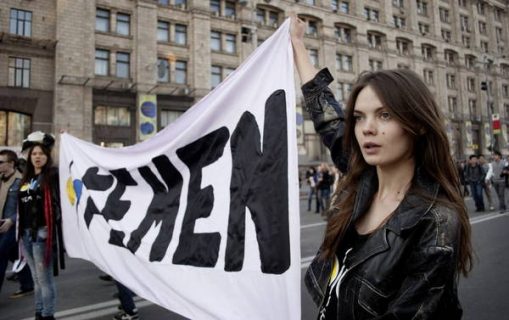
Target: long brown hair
(412, 105)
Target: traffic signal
(484, 86)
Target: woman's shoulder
(441, 224)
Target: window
(371, 14)
(163, 31)
(466, 41)
(399, 22)
(462, 3)
(14, 127)
(102, 20)
(215, 41)
(334, 5)
(451, 81)
(504, 68)
(123, 24)
(215, 76)
(452, 104)
(505, 90)
(398, 3)
(422, 8)
(344, 62)
(498, 34)
(375, 65)
(344, 90)
(423, 28)
(122, 64)
(267, 17)
(472, 108)
(403, 46)
(163, 70)
(229, 9)
(446, 35)
(482, 27)
(428, 77)
(465, 27)
(310, 2)
(343, 33)
(484, 46)
(20, 23)
(163, 2)
(230, 42)
(344, 7)
(180, 34)
(181, 3)
(481, 7)
(470, 61)
(313, 55)
(168, 116)
(102, 59)
(498, 14)
(215, 7)
(312, 29)
(311, 25)
(181, 72)
(112, 116)
(403, 66)
(19, 72)
(428, 52)
(444, 15)
(375, 40)
(471, 84)
(450, 56)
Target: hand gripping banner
(202, 218)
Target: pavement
(82, 295)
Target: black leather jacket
(407, 268)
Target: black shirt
(352, 242)
(31, 205)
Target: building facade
(88, 66)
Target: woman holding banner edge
(398, 234)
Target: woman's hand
(297, 28)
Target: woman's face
(381, 138)
(38, 158)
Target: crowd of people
(480, 177)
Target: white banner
(202, 218)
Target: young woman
(39, 227)
(399, 234)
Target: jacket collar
(412, 207)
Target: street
(82, 295)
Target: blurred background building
(95, 67)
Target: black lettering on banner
(94, 181)
(163, 208)
(114, 208)
(260, 182)
(200, 249)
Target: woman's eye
(357, 118)
(385, 115)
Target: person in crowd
(399, 234)
(40, 226)
(325, 180)
(10, 179)
(312, 179)
(475, 177)
(127, 308)
(461, 172)
(500, 171)
(486, 185)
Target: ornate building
(87, 66)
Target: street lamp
(485, 87)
